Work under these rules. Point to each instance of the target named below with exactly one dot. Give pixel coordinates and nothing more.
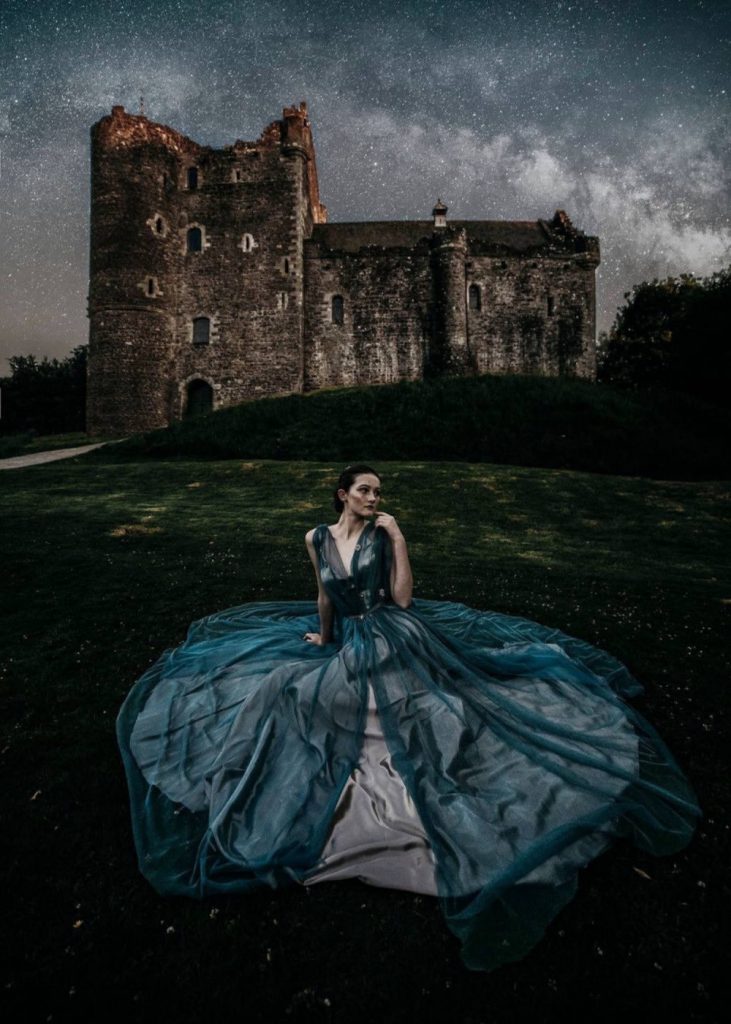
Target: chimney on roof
(439, 213)
(562, 222)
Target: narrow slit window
(201, 330)
(159, 225)
(150, 285)
(551, 305)
(337, 309)
(195, 240)
(192, 177)
(475, 297)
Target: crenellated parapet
(563, 235)
(120, 130)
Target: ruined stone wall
(240, 280)
(536, 316)
(385, 333)
(407, 314)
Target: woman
(414, 744)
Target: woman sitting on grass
(422, 745)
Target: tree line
(670, 335)
(44, 396)
(673, 335)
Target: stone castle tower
(214, 278)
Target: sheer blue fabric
(514, 741)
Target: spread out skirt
(376, 834)
(479, 757)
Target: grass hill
(523, 421)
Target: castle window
(286, 265)
(201, 330)
(474, 297)
(247, 243)
(551, 305)
(149, 287)
(195, 240)
(282, 300)
(337, 309)
(192, 177)
(158, 225)
(236, 174)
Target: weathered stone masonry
(215, 278)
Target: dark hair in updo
(347, 479)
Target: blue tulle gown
(479, 757)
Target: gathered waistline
(364, 615)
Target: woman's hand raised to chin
(402, 582)
(389, 524)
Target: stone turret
(195, 297)
(450, 351)
(135, 264)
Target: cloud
(167, 86)
(657, 206)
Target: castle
(215, 278)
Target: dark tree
(671, 335)
(46, 396)
(700, 358)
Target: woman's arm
(402, 581)
(324, 604)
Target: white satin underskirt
(376, 835)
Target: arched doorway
(198, 398)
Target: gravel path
(20, 461)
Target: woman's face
(363, 496)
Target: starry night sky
(617, 112)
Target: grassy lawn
(105, 564)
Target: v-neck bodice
(349, 568)
(365, 583)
